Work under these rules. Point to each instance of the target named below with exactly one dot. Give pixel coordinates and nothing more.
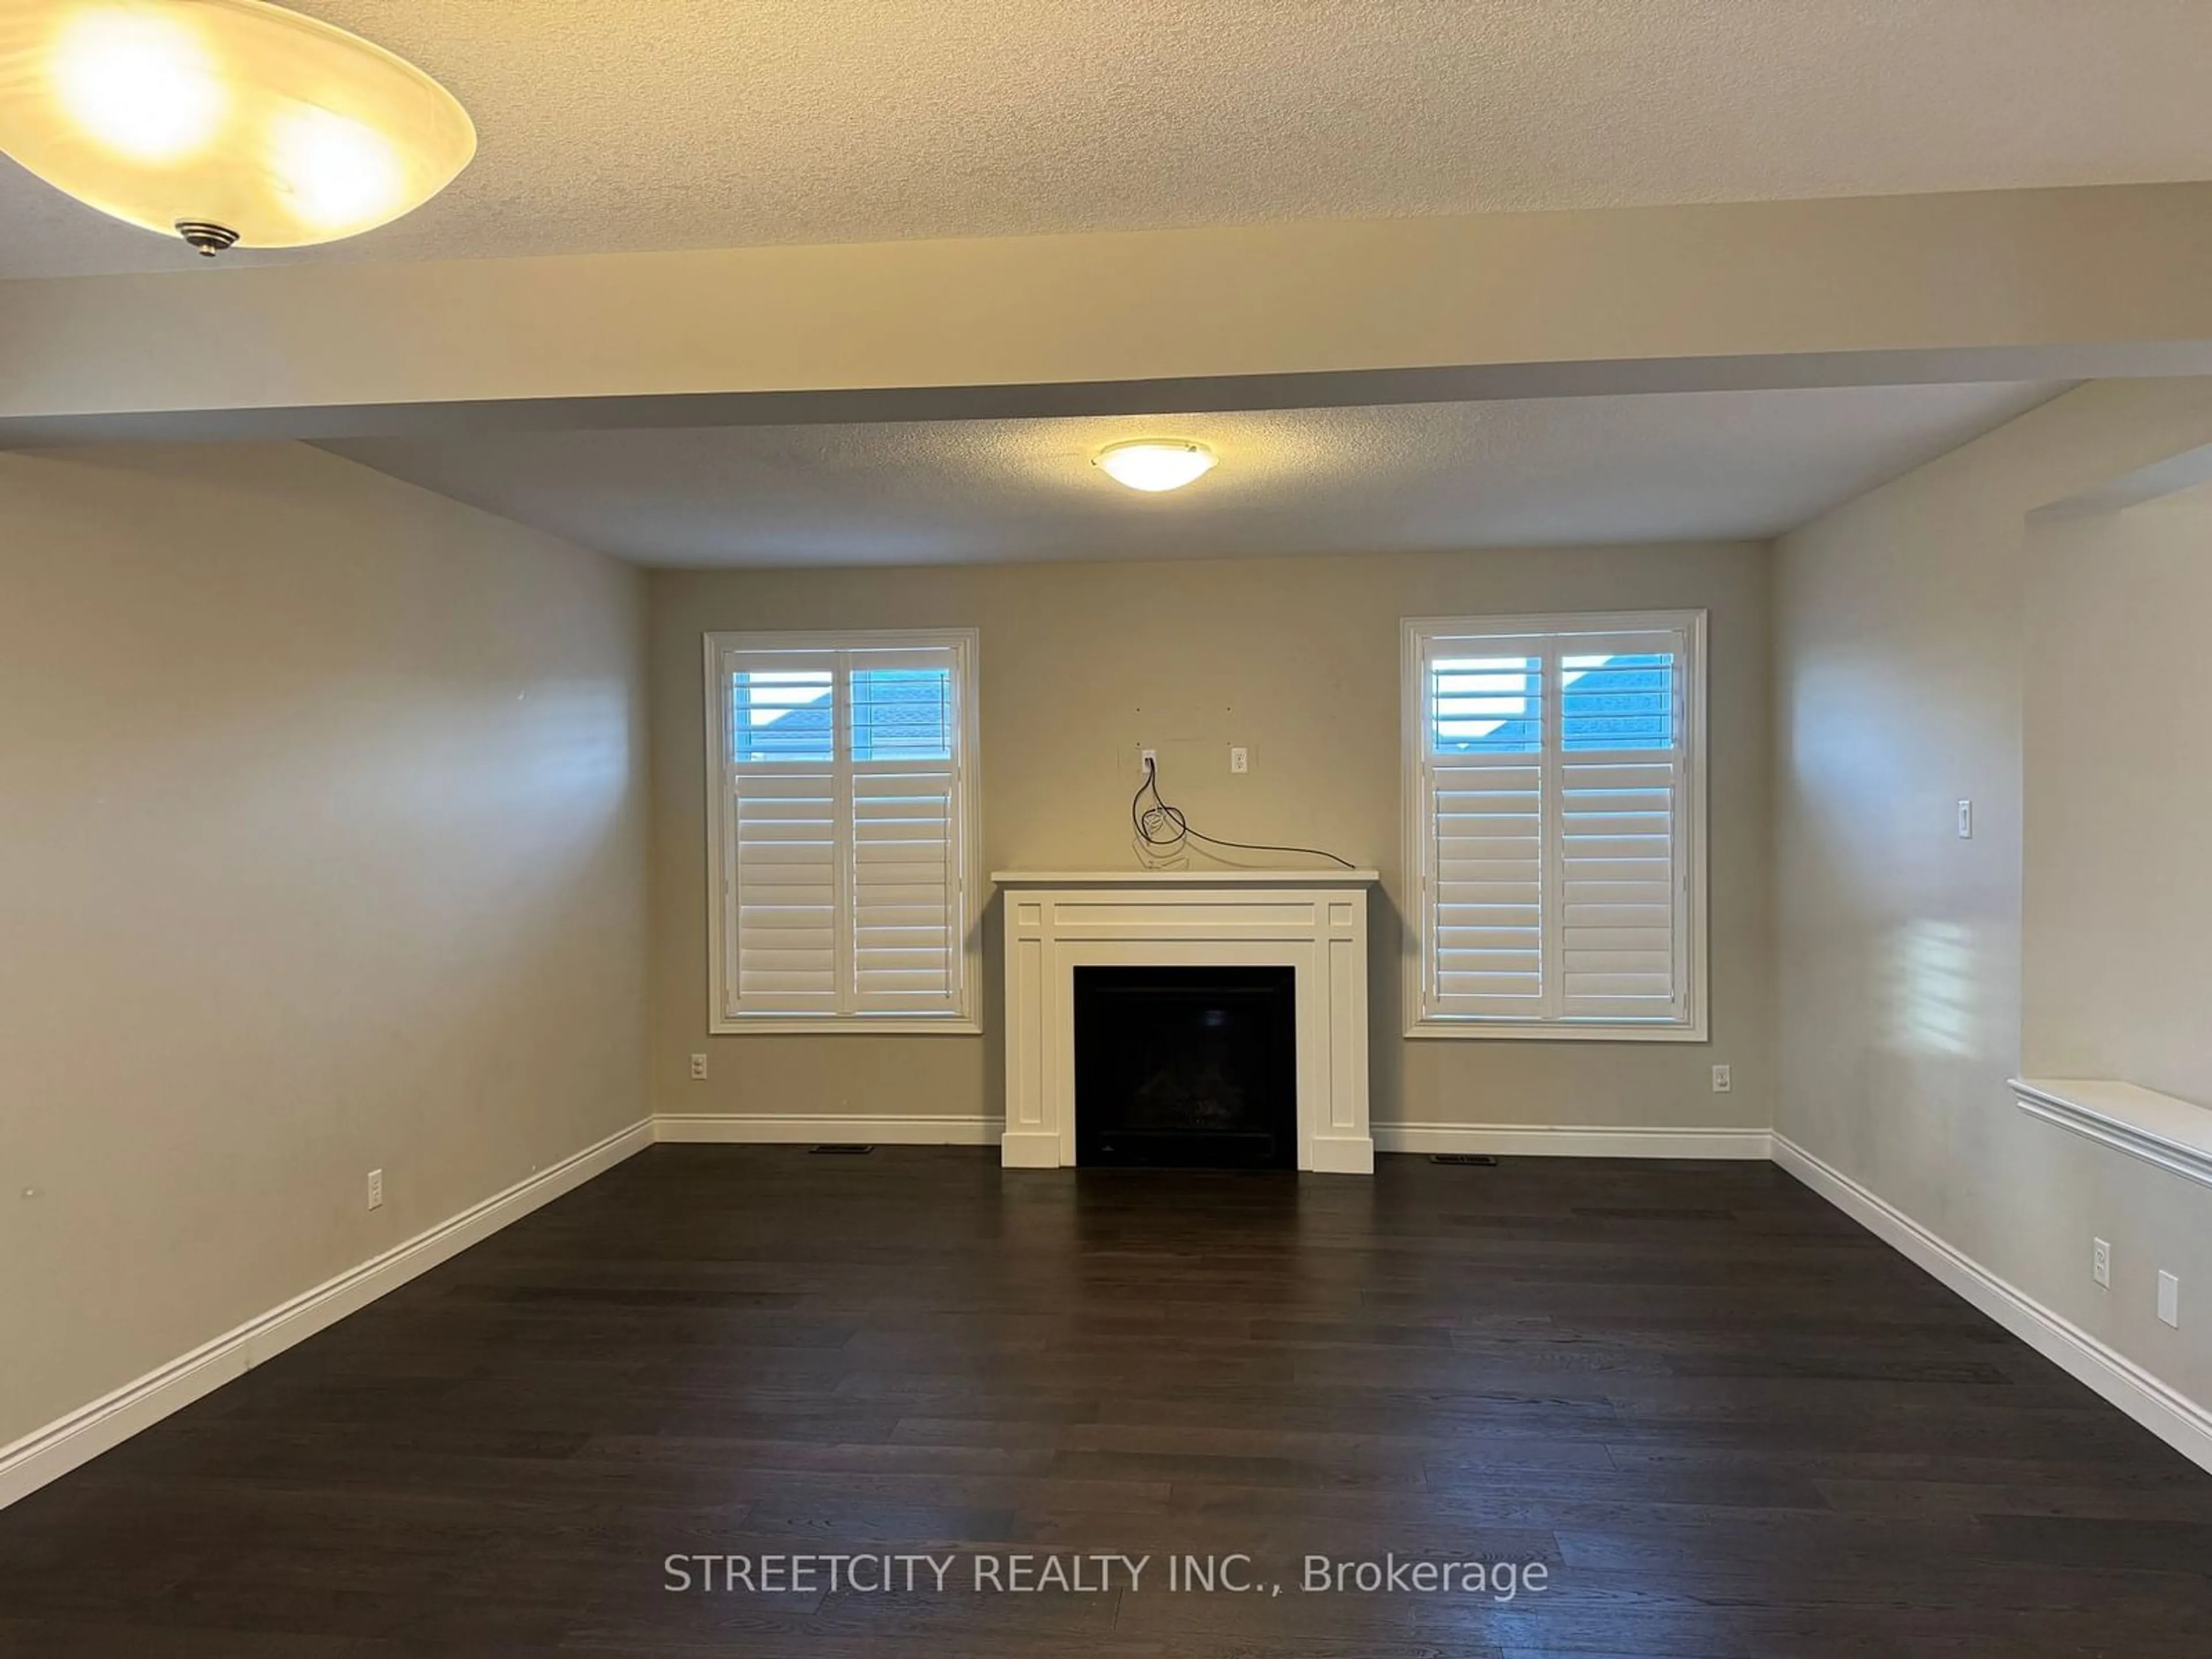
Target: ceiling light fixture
(224, 122)
(1156, 464)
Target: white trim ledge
(1545, 1140)
(794, 1130)
(2167, 1413)
(1498, 1031)
(2157, 1128)
(47, 1454)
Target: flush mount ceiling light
(222, 121)
(1156, 464)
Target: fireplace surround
(1314, 923)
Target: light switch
(1966, 820)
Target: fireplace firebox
(1187, 1066)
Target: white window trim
(965, 644)
(1414, 633)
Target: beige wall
(1900, 627)
(1297, 659)
(2117, 930)
(321, 830)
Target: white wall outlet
(376, 1189)
(1966, 820)
(1148, 760)
(698, 1068)
(1240, 760)
(2101, 1262)
(2169, 1298)
(1721, 1082)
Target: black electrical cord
(1161, 825)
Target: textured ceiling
(1631, 469)
(667, 124)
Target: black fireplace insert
(1187, 1067)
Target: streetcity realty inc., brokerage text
(1098, 1573)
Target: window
(1555, 814)
(842, 831)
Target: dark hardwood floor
(1725, 1421)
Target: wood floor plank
(1726, 1422)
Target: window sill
(2174, 1134)
(888, 1026)
(1501, 1030)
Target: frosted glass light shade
(222, 119)
(1154, 465)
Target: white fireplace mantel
(1313, 921)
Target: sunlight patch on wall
(1931, 988)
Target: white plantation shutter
(785, 891)
(1618, 888)
(1622, 766)
(906, 890)
(1551, 768)
(1486, 895)
(841, 828)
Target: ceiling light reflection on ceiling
(1154, 465)
(223, 121)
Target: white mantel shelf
(1186, 878)
(1312, 921)
(2174, 1134)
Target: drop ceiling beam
(2004, 285)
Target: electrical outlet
(1721, 1082)
(1240, 760)
(1966, 820)
(2169, 1298)
(2101, 1262)
(1148, 760)
(376, 1189)
(698, 1068)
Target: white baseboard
(803, 1130)
(46, 1454)
(1524, 1140)
(2170, 1415)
